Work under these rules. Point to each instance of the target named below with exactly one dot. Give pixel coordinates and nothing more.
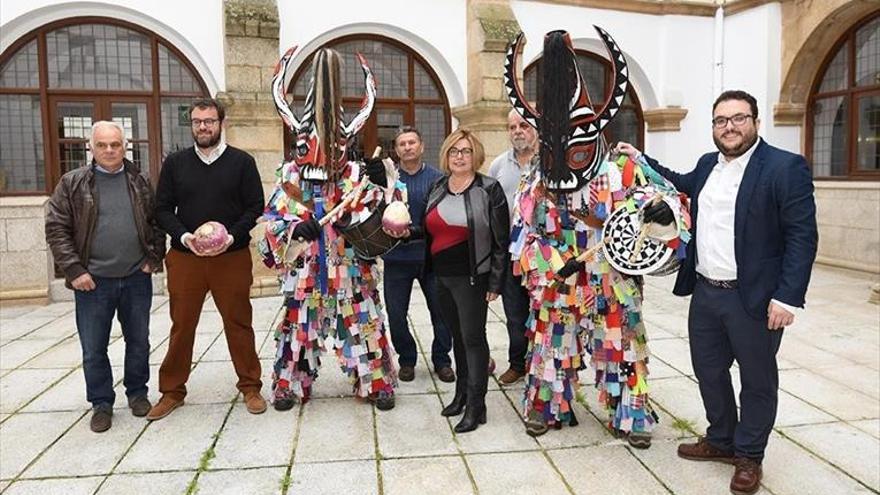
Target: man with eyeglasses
(211, 181)
(755, 247)
(103, 234)
(507, 169)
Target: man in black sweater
(209, 182)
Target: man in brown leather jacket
(103, 235)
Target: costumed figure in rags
(579, 244)
(323, 227)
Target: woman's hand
(491, 296)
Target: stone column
(491, 25)
(251, 52)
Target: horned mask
(569, 127)
(322, 136)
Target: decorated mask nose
(310, 159)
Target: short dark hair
(736, 94)
(406, 129)
(208, 103)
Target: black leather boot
(474, 416)
(456, 406)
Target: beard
(748, 140)
(521, 145)
(209, 140)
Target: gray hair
(107, 123)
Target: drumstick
(643, 232)
(349, 198)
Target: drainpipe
(718, 58)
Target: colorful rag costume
(330, 291)
(575, 204)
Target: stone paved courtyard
(826, 440)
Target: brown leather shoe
(747, 477)
(102, 419)
(163, 408)
(702, 450)
(254, 403)
(139, 406)
(406, 373)
(511, 376)
(445, 374)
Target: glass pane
(430, 121)
(133, 117)
(176, 129)
(869, 133)
(388, 121)
(74, 120)
(388, 63)
(868, 54)
(835, 75)
(139, 153)
(21, 144)
(425, 86)
(21, 71)
(530, 82)
(74, 155)
(174, 75)
(98, 56)
(830, 136)
(624, 127)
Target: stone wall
(25, 267)
(848, 214)
(251, 52)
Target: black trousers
(464, 307)
(515, 299)
(720, 332)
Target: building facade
(814, 66)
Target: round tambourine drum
(621, 233)
(367, 237)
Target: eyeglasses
(738, 120)
(465, 152)
(208, 122)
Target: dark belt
(721, 284)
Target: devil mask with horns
(322, 136)
(569, 127)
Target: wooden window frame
(153, 96)
(850, 95)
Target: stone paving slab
(147, 483)
(791, 470)
(20, 386)
(250, 440)
(860, 458)
(425, 476)
(516, 472)
(264, 480)
(333, 478)
(335, 429)
(587, 471)
(39, 430)
(68, 486)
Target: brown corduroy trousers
(228, 277)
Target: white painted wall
(752, 51)
(194, 27)
(437, 30)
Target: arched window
(408, 93)
(59, 79)
(843, 131)
(628, 125)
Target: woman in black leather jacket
(466, 226)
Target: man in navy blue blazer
(754, 229)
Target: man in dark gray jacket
(102, 233)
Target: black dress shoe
(407, 373)
(456, 406)
(474, 416)
(445, 374)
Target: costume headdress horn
(582, 145)
(309, 153)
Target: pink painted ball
(210, 236)
(396, 217)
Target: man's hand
(220, 250)
(778, 317)
(376, 171)
(397, 235)
(83, 282)
(571, 267)
(491, 296)
(146, 268)
(627, 149)
(307, 230)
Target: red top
(444, 235)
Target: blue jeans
(130, 299)
(398, 280)
(515, 299)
